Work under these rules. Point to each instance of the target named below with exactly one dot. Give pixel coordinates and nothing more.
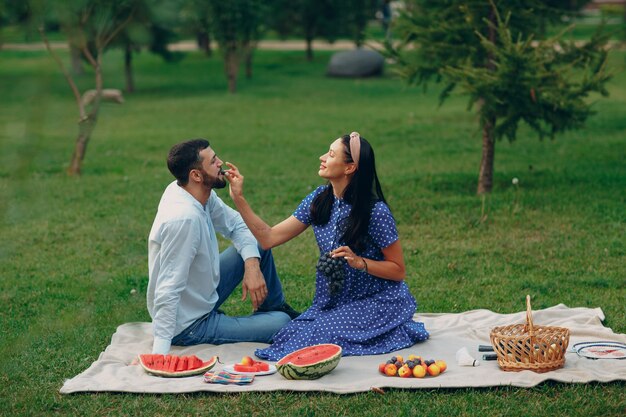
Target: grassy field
(73, 249)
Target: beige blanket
(113, 370)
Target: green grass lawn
(73, 249)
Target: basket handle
(529, 316)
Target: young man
(189, 279)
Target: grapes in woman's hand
(334, 270)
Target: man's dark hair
(184, 157)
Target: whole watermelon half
(311, 362)
(173, 366)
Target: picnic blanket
(114, 369)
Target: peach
(391, 369)
(381, 367)
(433, 370)
(442, 365)
(247, 361)
(405, 372)
(419, 372)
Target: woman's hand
(353, 260)
(267, 236)
(391, 267)
(235, 179)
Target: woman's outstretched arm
(267, 236)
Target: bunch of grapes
(333, 269)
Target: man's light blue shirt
(184, 261)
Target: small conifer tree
(492, 54)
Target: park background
(73, 260)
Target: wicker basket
(526, 347)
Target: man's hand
(254, 283)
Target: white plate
(601, 351)
(231, 369)
(598, 342)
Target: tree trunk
(624, 24)
(231, 67)
(309, 49)
(204, 42)
(248, 60)
(88, 121)
(128, 68)
(359, 36)
(77, 63)
(85, 128)
(485, 177)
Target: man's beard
(215, 183)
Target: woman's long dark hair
(362, 193)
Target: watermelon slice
(166, 363)
(245, 368)
(175, 366)
(311, 362)
(256, 366)
(158, 361)
(262, 366)
(172, 366)
(182, 364)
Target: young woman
(363, 303)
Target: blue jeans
(217, 328)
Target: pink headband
(355, 147)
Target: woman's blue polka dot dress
(371, 315)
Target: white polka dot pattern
(371, 315)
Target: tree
(310, 19)
(253, 25)
(148, 28)
(357, 14)
(100, 21)
(14, 13)
(196, 19)
(237, 27)
(508, 75)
